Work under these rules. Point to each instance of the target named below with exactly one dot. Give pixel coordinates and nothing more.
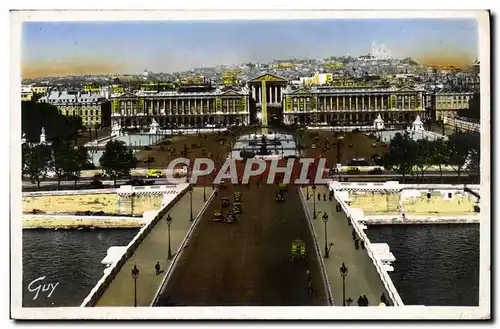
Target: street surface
(154, 248)
(84, 182)
(248, 263)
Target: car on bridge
(237, 208)
(230, 218)
(217, 216)
(225, 202)
(298, 250)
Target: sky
(59, 48)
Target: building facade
(26, 93)
(92, 108)
(449, 105)
(266, 93)
(352, 106)
(183, 107)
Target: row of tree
(66, 161)
(460, 151)
(34, 116)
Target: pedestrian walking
(353, 234)
(362, 244)
(356, 244)
(319, 196)
(324, 196)
(157, 268)
(383, 299)
(360, 301)
(365, 301)
(308, 272)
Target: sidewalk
(362, 277)
(154, 248)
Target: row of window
(79, 101)
(185, 112)
(83, 112)
(328, 109)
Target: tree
(438, 154)
(62, 153)
(37, 161)
(34, 116)
(423, 153)
(460, 146)
(117, 160)
(79, 161)
(401, 155)
(69, 161)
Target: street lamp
(169, 221)
(135, 275)
(190, 189)
(204, 192)
(314, 201)
(325, 220)
(343, 273)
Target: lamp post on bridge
(314, 201)
(135, 276)
(327, 250)
(204, 192)
(343, 273)
(169, 222)
(190, 189)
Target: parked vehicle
(353, 171)
(375, 171)
(156, 173)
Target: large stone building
(194, 106)
(266, 92)
(352, 106)
(448, 104)
(92, 108)
(268, 99)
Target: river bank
(79, 222)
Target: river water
(70, 257)
(435, 264)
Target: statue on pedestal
(116, 129)
(378, 123)
(417, 125)
(42, 136)
(153, 127)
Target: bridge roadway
(153, 248)
(248, 263)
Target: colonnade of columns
(274, 93)
(185, 107)
(354, 103)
